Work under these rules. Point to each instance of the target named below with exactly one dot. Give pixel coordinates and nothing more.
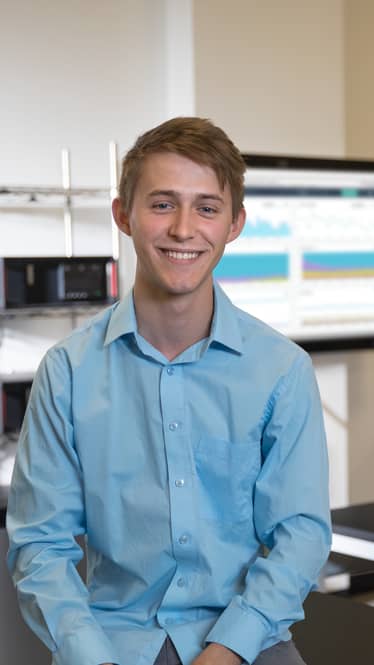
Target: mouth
(186, 255)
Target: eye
(162, 206)
(208, 210)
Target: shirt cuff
(85, 645)
(241, 630)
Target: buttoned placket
(180, 474)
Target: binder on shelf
(57, 281)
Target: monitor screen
(304, 262)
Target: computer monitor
(304, 262)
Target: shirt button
(179, 482)
(181, 582)
(170, 370)
(173, 426)
(183, 540)
(169, 620)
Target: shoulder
(272, 350)
(73, 361)
(83, 342)
(260, 345)
(265, 339)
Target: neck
(173, 323)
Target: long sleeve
(45, 512)
(291, 518)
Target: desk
(353, 530)
(336, 631)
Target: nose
(182, 225)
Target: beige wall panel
(359, 108)
(359, 63)
(360, 424)
(271, 73)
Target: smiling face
(180, 222)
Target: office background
(290, 77)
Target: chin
(179, 289)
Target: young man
(182, 436)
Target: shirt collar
(122, 320)
(224, 331)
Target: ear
(120, 217)
(237, 225)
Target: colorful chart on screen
(304, 262)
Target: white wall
(77, 74)
(74, 75)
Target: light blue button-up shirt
(177, 472)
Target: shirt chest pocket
(226, 472)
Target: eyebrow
(163, 192)
(176, 194)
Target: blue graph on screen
(246, 267)
(263, 228)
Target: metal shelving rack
(68, 199)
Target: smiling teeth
(182, 255)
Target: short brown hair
(197, 139)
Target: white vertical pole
(66, 184)
(113, 165)
(180, 61)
